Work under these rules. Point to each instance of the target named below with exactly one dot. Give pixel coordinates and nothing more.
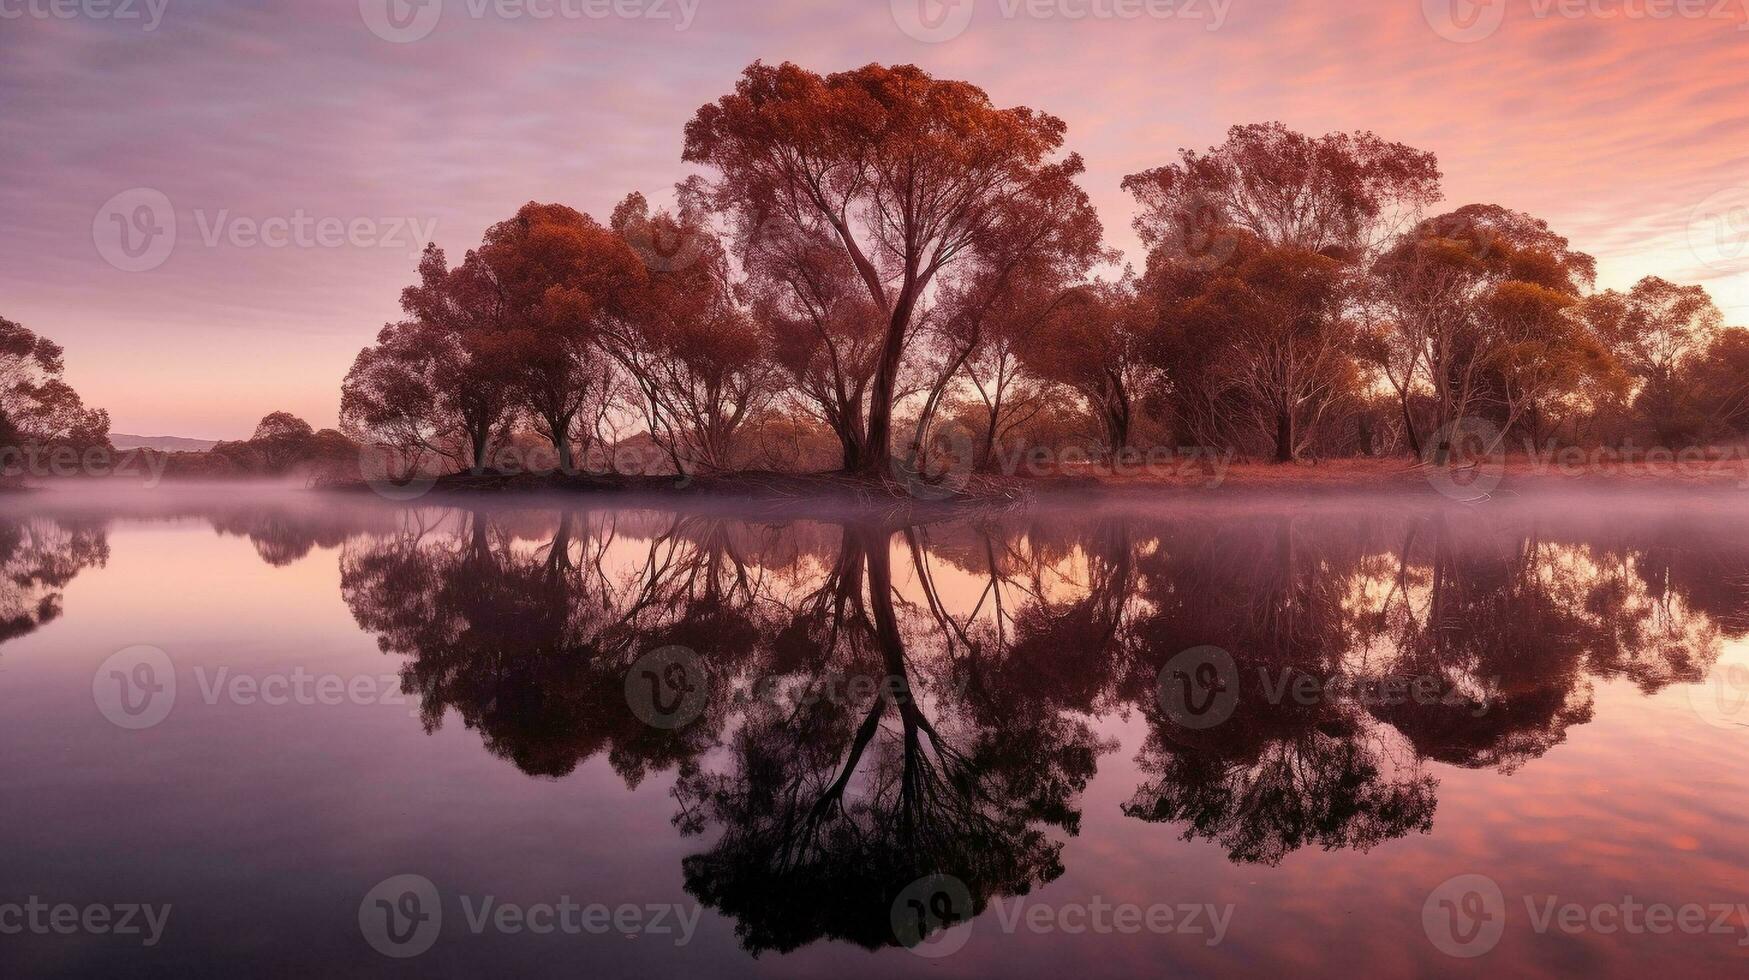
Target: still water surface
(818, 747)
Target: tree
(987, 306)
(462, 316)
(988, 340)
(37, 405)
(442, 380)
(557, 275)
(822, 330)
(908, 172)
(389, 400)
(1467, 307)
(1544, 356)
(282, 439)
(1654, 330)
(1095, 343)
(1718, 381)
(1266, 337)
(688, 344)
(1280, 203)
(1341, 194)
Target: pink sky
(1627, 131)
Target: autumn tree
(443, 379)
(1096, 343)
(460, 312)
(820, 327)
(1266, 339)
(1340, 194)
(1544, 360)
(558, 275)
(1718, 383)
(689, 344)
(37, 405)
(1467, 308)
(1279, 204)
(987, 340)
(985, 308)
(879, 244)
(908, 173)
(1655, 329)
(389, 400)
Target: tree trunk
(479, 437)
(987, 452)
(880, 418)
(1409, 426)
(1442, 436)
(1117, 434)
(1284, 436)
(846, 424)
(559, 428)
(879, 446)
(1117, 419)
(852, 453)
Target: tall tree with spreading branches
(907, 171)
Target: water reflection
(886, 702)
(38, 557)
(883, 702)
(529, 643)
(826, 808)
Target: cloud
(1613, 129)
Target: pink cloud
(1613, 129)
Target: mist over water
(1302, 717)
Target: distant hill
(163, 444)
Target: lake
(277, 732)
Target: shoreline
(1247, 490)
(1713, 482)
(1398, 478)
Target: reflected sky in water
(784, 724)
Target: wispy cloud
(1614, 129)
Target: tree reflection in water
(991, 650)
(38, 557)
(828, 809)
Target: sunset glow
(1622, 130)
